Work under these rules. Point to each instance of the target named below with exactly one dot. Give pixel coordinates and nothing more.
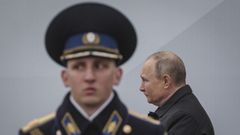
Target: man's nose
(142, 87)
(90, 75)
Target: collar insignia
(69, 125)
(113, 124)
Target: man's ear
(167, 80)
(118, 76)
(64, 76)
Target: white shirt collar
(95, 114)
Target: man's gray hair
(167, 62)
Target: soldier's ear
(118, 76)
(64, 76)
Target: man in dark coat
(91, 41)
(163, 83)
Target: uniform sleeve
(21, 133)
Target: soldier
(91, 41)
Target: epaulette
(37, 122)
(144, 117)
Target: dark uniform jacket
(113, 120)
(182, 114)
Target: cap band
(91, 44)
(91, 53)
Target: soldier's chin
(92, 102)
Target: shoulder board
(39, 121)
(144, 117)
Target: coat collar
(182, 92)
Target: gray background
(205, 33)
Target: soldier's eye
(78, 66)
(101, 65)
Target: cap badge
(91, 38)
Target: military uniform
(115, 119)
(91, 30)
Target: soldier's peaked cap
(90, 29)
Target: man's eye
(144, 80)
(101, 66)
(78, 67)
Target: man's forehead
(149, 63)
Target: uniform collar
(110, 119)
(182, 92)
(95, 114)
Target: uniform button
(58, 132)
(127, 129)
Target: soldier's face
(151, 86)
(91, 80)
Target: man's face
(151, 86)
(91, 79)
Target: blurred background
(204, 33)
